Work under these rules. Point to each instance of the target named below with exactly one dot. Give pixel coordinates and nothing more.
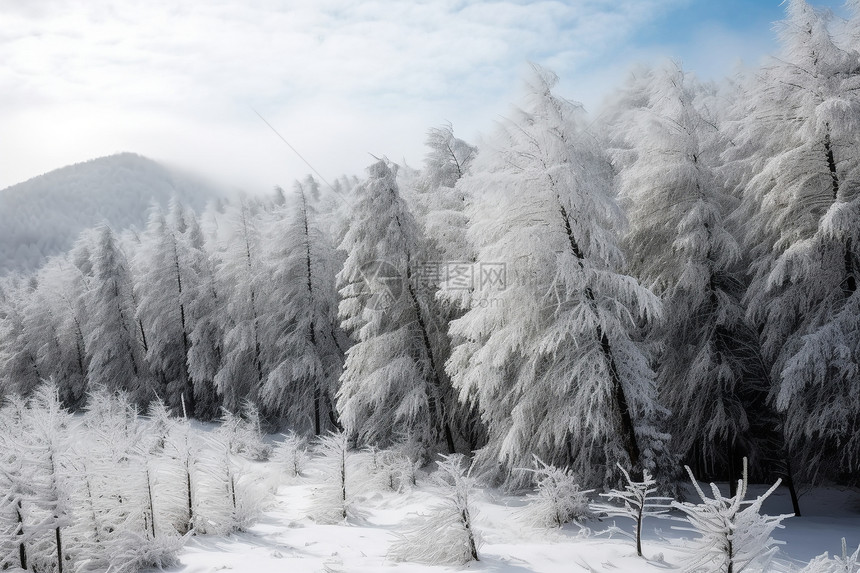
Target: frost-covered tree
(116, 352)
(243, 432)
(637, 502)
(388, 469)
(733, 534)
(241, 374)
(549, 349)
(162, 286)
(205, 322)
(679, 244)
(63, 315)
(301, 321)
(441, 204)
(14, 532)
(290, 455)
(796, 163)
(393, 379)
(448, 535)
(46, 471)
(334, 498)
(558, 498)
(19, 367)
(180, 477)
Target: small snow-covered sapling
(844, 564)
(637, 502)
(291, 455)
(733, 534)
(448, 534)
(333, 504)
(558, 499)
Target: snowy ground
(287, 538)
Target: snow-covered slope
(43, 216)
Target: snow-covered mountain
(43, 216)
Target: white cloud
(177, 80)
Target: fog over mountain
(43, 216)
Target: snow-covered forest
(669, 282)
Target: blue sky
(179, 81)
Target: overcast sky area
(179, 82)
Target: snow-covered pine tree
(333, 502)
(679, 245)
(205, 320)
(387, 469)
(548, 347)
(116, 525)
(112, 340)
(299, 325)
(48, 511)
(162, 284)
(14, 532)
(179, 478)
(448, 535)
(242, 374)
(290, 455)
(440, 204)
(62, 308)
(40, 329)
(19, 367)
(393, 379)
(733, 534)
(638, 502)
(558, 498)
(243, 432)
(797, 159)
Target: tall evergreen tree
(59, 283)
(393, 381)
(205, 316)
(797, 153)
(709, 374)
(241, 270)
(19, 367)
(161, 307)
(301, 329)
(112, 342)
(550, 354)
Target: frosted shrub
(447, 535)
(132, 551)
(291, 455)
(387, 469)
(733, 535)
(558, 499)
(844, 564)
(244, 433)
(637, 503)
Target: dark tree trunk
(627, 430)
(22, 548)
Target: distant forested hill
(43, 216)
